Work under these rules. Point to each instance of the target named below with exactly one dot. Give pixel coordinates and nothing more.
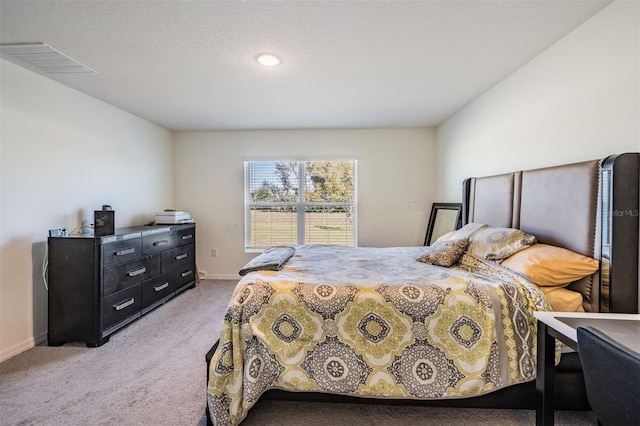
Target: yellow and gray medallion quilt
(373, 322)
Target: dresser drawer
(155, 289)
(121, 251)
(179, 256)
(120, 306)
(119, 277)
(186, 236)
(156, 243)
(183, 275)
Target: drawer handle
(161, 287)
(125, 251)
(189, 272)
(186, 237)
(161, 243)
(124, 304)
(182, 256)
(137, 272)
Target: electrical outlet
(214, 252)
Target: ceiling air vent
(42, 57)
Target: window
(299, 202)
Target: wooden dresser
(98, 285)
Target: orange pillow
(562, 299)
(550, 266)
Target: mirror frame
(437, 207)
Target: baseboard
(222, 277)
(40, 338)
(17, 349)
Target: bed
(448, 324)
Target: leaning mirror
(445, 217)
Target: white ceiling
(189, 65)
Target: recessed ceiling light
(268, 60)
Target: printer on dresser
(98, 285)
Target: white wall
(396, 183)
(579, 100)
(62, 155)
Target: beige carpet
(153, 373)
(149, 373)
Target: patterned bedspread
(373, 322)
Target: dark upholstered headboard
(561, 206)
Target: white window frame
(300, 204)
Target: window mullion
(301, 203)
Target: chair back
(611, 376)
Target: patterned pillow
(444, 253)
(445, 237)
(468, 231)
(495, 244)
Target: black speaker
(103, 222)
